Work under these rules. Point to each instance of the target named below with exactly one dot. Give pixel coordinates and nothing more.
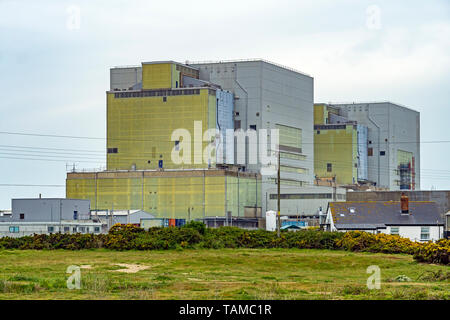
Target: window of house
(237, 124)
(81, 229)
(96, 229)
(382, 153)
(394, 230)
(177, 145)
(329, 167)
(22, 216)
(13, 229)
(253, 127)
(112, 150)
(318, 131)
(164, 99)
(425, 233)
(87, 229)
(370, 152)
(74, 229)
(66, 229)
(75, 215)
(51, 229)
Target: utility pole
(278, 191)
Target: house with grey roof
(416, 220)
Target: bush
(196, 235)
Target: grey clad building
(271, 96)
(49, 215)
(393, 142)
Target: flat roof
(169, 61)
(364, 102)
(249, 60)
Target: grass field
(216, 274)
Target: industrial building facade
(368, 142)
(270, 96)
(48, 215)
(146, 103)
(176, 194)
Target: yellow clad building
(335, 146)
(145, 106)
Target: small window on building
(66, 229)
(425, 233)
(318, 131)
(87, 229)
(51, 229)
(96, 229)
(237, 124)
(164, 99)
(177, 145)
(394, 230)
(253, 127)
(370, 152)
(257, 114)
(75, 215)
(236, 113)
(112, 150)
(329, 167)
(382, 153)
(370, 141)
(74, 229)
(22, 216)
(176, 84)
(13, 229)
(81, 229)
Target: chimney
(404, 203)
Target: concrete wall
(390, 128)
(442, 198)
(48, 210)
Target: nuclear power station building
(182, 140)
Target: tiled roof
(379, 214)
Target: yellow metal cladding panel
(81, 189)
(320, 114)
(241, 193)
(176, 81)
(141, 128)
(404, 157)
(157, 76)
(170, 196)
(337, 147)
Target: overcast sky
(55, 58)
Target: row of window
(292, 196)
(424, 232)
(156, 93)
(51, 229)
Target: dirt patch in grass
(130, 268)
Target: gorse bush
(196, 235)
